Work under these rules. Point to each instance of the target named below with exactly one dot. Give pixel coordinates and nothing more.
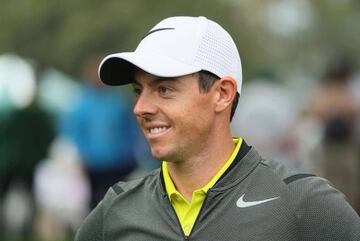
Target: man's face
(174, 116)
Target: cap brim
(118, 69)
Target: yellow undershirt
(188, 212)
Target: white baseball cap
(175, 47)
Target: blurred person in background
(186, 73)
(334, 106)
(62, 192)
(101, 126)
(266, 115)
(25, 136)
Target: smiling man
(186, 74)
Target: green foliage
(65, 33)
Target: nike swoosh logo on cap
(156, 30)
(241, 203)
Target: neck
(195, 172)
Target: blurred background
(65, 138)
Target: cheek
(198, 114)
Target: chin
(160, 153)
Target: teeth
(158, 130)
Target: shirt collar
(170, 187)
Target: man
(186, 73)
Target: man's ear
(226, 89)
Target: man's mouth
(158, 130)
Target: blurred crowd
(64, 142)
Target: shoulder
(320, 209)
(300, 187)
(149, 179)
(120, 195)
(132, 187)
(285, 176)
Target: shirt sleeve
(323, 213)
(92, 227)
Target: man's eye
(164, 90)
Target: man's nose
(144, 106)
